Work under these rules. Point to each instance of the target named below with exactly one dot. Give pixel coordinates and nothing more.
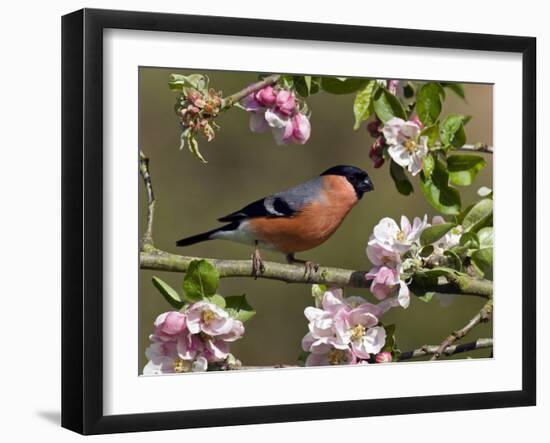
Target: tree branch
(480, 343)
(482, 316)
(147, 240)
(230, 100)
(479, 147)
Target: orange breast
(314, 224)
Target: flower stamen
(357, 332)
(337, 356)
(410, 145)
(207, 316)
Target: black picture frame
(82, 219)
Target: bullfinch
(295, 220)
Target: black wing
(272, 206)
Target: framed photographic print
(270, 221)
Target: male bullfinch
(294, 220)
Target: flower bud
(392, 86)
(383, 357)
(286, 103)
(376, 152)
(266, 96)
(301, 129)
(414, 119)
(374, 127)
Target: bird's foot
(309, 267)
(257, 264)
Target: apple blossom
(343, 330)
(277, 111)
(406, 146)
(188, 340)
(398, 238)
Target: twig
(147, 240)
(480, 343)
(479, 147)
(156, 259)
(230, 100)
(482, 316)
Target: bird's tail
(205, 236)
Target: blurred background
(242, 167)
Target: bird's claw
(310, 268)
(257, 264)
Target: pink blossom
(251, 104)
(331, 357)
(286, 103)
(258, 122)
(266, 96)
(383, 357)
(343, 330)
(170, 323)
(301, 129)
(399, 238)
(406, 146)
(188, 341)
(392, 86)
(386, 282)
(206, 317)
(416, 120)
(382, 254)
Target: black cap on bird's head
(358, 178)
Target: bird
(297, 219)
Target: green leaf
(402, 182)
(477, 215)
(484, 191)
(193, 147)
(302, 357)
(201, 280)
(485, 236)
(218, 300)
(432, 132)
(390, 344)
(437, 191)
(434, 233)
(428, 103)
(452, 131)
(169, 293)
(237, 306)
(426, 251)
(342, 85)
(184, 82)
(386, 105)
(317, 292)
(306, 85)
(483, 259)
(457, 262)
(362, 103)
(463, 168)
(457, 88)
(426, 297)
(428, 166)
(470, 240)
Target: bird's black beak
(367, 185)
